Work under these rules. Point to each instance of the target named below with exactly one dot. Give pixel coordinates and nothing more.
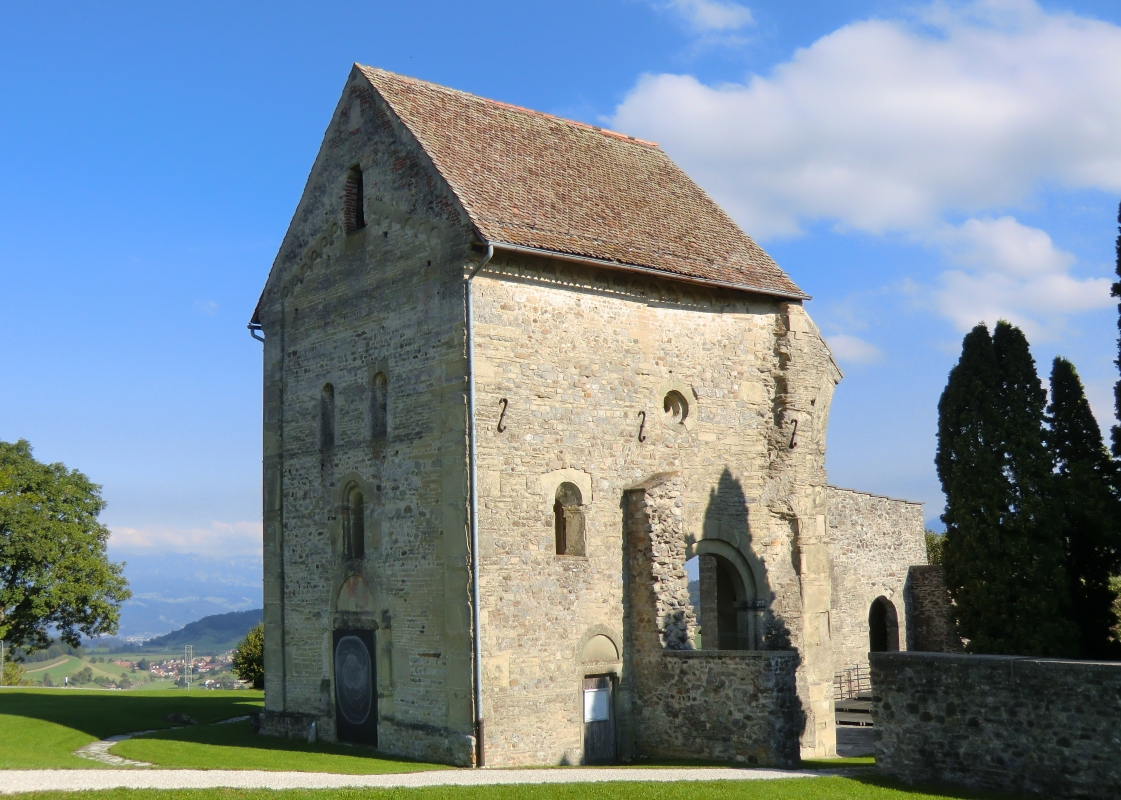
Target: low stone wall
(728, 705)
(1024, 725)
(929, 611)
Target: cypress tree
(969, 466)
(1003, 553)
(1115, 290)
(1084, 478)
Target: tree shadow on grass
(248, 750)
(935, 790)
(108, 713)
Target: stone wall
(1021, 725)
(930, 617)
(577, 363)
(726, 705)
(873, 541)
(712, 704)
(340, 308)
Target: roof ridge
(510, 106)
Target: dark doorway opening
(883, 627)
(356, 699)
(599, 719)
(727, 606)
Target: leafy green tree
(143, 665)
(249, 657)
(1002, 552)
(14, 673)
(82, 676)
(54, 572)
(934, 546)
(1084, 478)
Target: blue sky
(915, 167)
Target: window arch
(354, 524)
(327, 417)
(568, 520)
(883, 627)
(379, 406)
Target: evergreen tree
(1003, 553)
(1084, 479)
(1116, 292)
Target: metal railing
(852, 682)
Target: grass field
(41, 728)
(794, 789)
(234, 746)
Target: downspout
(477, 638)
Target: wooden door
(599, 720)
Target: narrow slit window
(353, 210)
(356, 519)
(327, 418)
(379, 402)
(568, 520)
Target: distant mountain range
(214, 634)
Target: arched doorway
(726, 608)
(883, 627)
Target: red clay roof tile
(534, 180)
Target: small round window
(676, 407)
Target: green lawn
(794, 789)
(235, 746)
(41, 728)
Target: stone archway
(883, 626)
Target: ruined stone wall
(873, 541)
(930, 617)
(1014, 725)
(710, 704)
(339, 308)
(584, 359)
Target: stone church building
(523, 382)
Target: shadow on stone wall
(727, 519)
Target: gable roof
(536, 181)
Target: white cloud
(711, 16)
(226, 539)
(852, 349)
(1006, 270)
(887, 125)
(207, 307)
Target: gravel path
(42, 780)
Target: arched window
(354, 215)
(568, 520)
(727, 614)
(327, 417)
(379, 407)
(883, 627)
(354, 524)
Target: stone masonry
(727, 704)
(930, 612)
(873, 541)
(591, 377)
(1020, 725)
